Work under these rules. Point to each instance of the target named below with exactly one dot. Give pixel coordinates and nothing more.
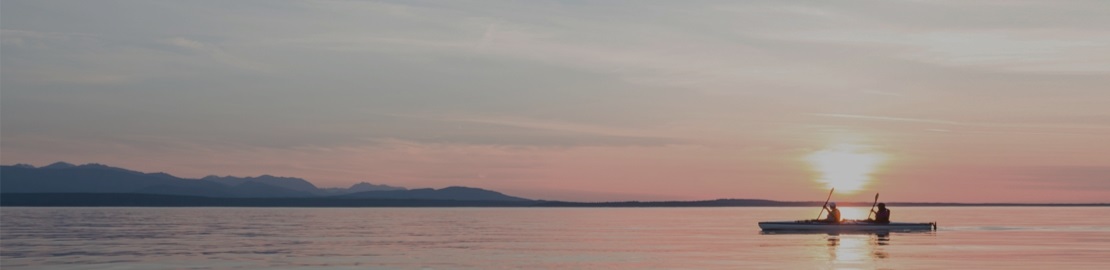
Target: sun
(845, 167)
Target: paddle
(826, 203)
(873, 206)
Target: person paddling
(883, 214)
(834, 214)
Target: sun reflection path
(857, 251)
(846, 167)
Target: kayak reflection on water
(850, 249)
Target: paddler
(834, 214)
(883, 214)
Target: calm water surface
(541, 238)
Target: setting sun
(845, 167)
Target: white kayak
(847, 225)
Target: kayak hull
(810, 225)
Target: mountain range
(65, 184)
(66, 178)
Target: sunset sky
(955, 101)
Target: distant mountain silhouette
(62, 177)
(58, 165)
(21, 165)
(254, 189)
(289, 183)
(359, 187)
(220, 191)
(94, 178)
(364, 186)
(159, 200)
(449, 193)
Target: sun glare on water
(845, 167)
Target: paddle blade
(826, 203)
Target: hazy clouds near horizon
(568, 99)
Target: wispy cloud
(887, 118)
(516, 131)
(1069, 123)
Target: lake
(542, 238)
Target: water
(541, 238)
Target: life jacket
(883, 216)
(834, 215)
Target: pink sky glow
(934, 101)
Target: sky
(922, 101)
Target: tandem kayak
(848, 225)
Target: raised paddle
(826, 203)
(873, 206)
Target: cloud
(887, 118)
(185, 43)
(40, 39)
(513, 132)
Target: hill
(66, 178)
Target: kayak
(847, 225)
